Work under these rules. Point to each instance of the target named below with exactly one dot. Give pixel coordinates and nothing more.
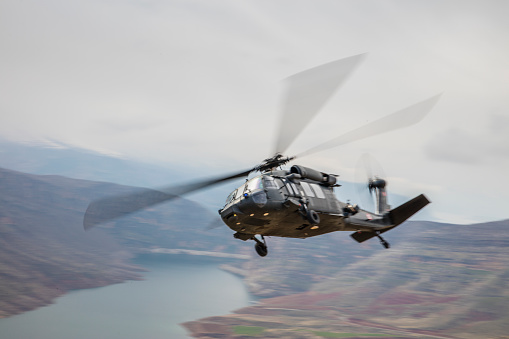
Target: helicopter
(298, 202)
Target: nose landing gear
(261, 247)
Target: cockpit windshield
(230, 197)
(254, 184)
(250, 186)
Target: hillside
(78, 163)
(44, 251)
(437, 280)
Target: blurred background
(100, 94)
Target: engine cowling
(309, 173)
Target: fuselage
(276, 202)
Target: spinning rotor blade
(112, 207)
(307, 92)
(367, 168)
(403, 118)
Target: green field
(348, 335)
(248, 330)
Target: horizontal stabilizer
(397, 216)
(363, 236)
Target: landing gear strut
(383, 241)
(261, 247)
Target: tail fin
(409, 208)
(396, 216)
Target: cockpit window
(230, 197)
(254, 184)
(269, 182)
(235, 194)
(251, 185)
(240, 191)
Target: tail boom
(396, 217)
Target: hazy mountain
(49, 159)
(57, 159)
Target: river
(176, 289)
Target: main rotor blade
(306, 93)
(400, 119)
(368, 168)
(108, 208)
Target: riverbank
(43, 292)
(213, 254)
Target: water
(177, 289)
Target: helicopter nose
(259, 198)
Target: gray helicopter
(298, 202)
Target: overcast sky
(172, 81)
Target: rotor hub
(274, 162)
(376, 183)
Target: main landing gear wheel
(309, 215)
(313, 217)
(261, 247)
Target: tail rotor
(371, 173)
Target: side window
(269, 182)
(295, 189)
(307, 189)
(290, 189)
(318, 191)
(279, 183)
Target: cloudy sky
(199, 84)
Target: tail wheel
(313, 217)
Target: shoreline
(46, 295)
(196, 253)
